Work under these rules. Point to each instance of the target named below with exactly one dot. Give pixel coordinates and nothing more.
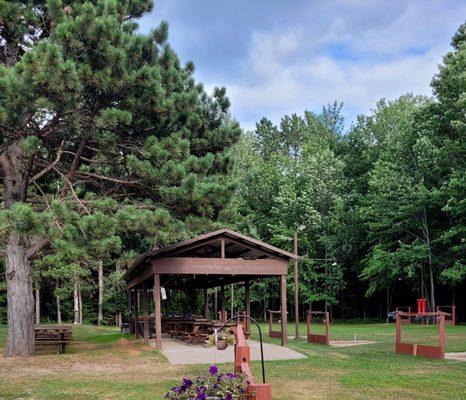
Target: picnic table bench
(47, 335)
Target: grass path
(102, 364)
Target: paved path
(460, 356)
(180, 353)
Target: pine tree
(98, 111)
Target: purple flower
(229, 396)
(187, 383)
(213, 370)
(201, 396)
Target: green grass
(102, 364)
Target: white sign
(163, 293)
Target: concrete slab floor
(182, 353)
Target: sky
(278, 57)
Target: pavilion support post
(158, 312)
(146, 313)
(136, 313)
(130, 313)
(247, 303)
(284, 336)
(232, 300)
(222, 301)
(206, 305)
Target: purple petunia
(213, 370)
(229, 396)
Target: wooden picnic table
(53, 335)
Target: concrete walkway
(181, 353)
(460, 356)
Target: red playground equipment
(451, 312)
(314, 338)
(254, 391)
(437, 352)
(406, 309)
(272, 333)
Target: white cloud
(352, 54)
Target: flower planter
(222, 344)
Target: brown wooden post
(146, 313)
(130, 314)
(232, 300)
(158, 312)
(398, 331)
(247, 301)
(441, 332)
(136, 313)
(222, 301)
(284, 311)
(206, 305)
(453, 315)
(296, 282)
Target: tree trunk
(80, 302)
(100, 316)
(58, 306)
(76, 302)
(20, 311)
(37, 290)
(18, 273)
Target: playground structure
(254, 391)
(406, 309)
(315, 338)
(436, 352)
(450, 317)
(272, 333)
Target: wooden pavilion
(214, 259)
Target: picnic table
(194, 330)
(53, 335)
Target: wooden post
(441, 328)
(136, 312)
(130, 317)
(222, 301)
(232, 300)
(158, 312)
(296, 282)
(146, 313)
(206, 305)
(247, 301)
(398, 330)
(283, 309)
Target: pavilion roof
(207, 245)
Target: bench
(59, 336)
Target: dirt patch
(126, 346)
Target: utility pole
(296, 296)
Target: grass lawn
(102, 364)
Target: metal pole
(260, 338)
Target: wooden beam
(283, 310)
(141, 277)
(130, 304)
(247, 300)
(136, 313)
(219, 266)
(222, 302)
(158, 312)
(146, 314)
(222, 248)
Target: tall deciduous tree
(97, 110)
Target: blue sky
(277, 57)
